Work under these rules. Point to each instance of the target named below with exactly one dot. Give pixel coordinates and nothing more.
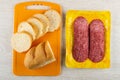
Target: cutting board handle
(38, 5)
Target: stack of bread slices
(34, 28)
(30, 30)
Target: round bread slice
(21, 42)
(44, 20)
(25, 26)
(35, 22)
(54, 18)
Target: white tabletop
(6, 28)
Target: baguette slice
(25, 26)
(21, 42)
(44, 20)
(35, 22)
(38, 57)
(54, 18)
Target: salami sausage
(97, 33)
(80, 42)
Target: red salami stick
(80, 43)
(97, 33)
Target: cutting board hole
(38, 7)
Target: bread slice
(44, 20)
(25, 26)
(21, 41)
(38, 57)
(35, 22)
(54, 18)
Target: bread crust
(38, 57)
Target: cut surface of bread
(54, 18)
(21, 41)
(44, 20)
(38, 57)
(35, 22)
(25, 26)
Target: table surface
(6, 29)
